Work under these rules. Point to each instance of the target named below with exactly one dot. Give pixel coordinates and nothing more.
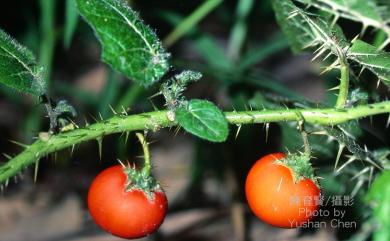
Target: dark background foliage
(210, 180)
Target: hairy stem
(159, 119)
(344, 85)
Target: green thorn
(36, 171)
(364, 170)
(370, 176)
(7, 156)
(238, 131)
(100, 145)
(153, 105)
(266, 132)
(341, 148)
(72, 150)
(350, 160)
(18, 143)
(112, 109)
(373, 163)
(127, 136)
(94, 118)
(124, 111)
(86, 122)
(358, 185)
(176, 132)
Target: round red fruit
(122, 209)
(280, 193)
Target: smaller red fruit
(124, 209)
(282, 191)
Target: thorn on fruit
(120, 162)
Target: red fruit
(282, 191)
(123, 209)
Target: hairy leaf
(368, 12)
(18, 67)
(203, 119)
(370, 58)
(346, 135)
(129, 46)
(305, 31)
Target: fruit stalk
(147, 165)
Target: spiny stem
(159, 119)
(344, 84)
(147, 165)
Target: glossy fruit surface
(278, 195)
(122, 210)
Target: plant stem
(191, 21)
(306, 144)
(344, 84)
(147, 165)
(159, 119)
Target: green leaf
(303, 31)
(378, 62)
(370, 13)
(18, 67)
(71, 19)
(203, 119)
(129, 46)
(379, 197)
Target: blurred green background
(246, 63)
